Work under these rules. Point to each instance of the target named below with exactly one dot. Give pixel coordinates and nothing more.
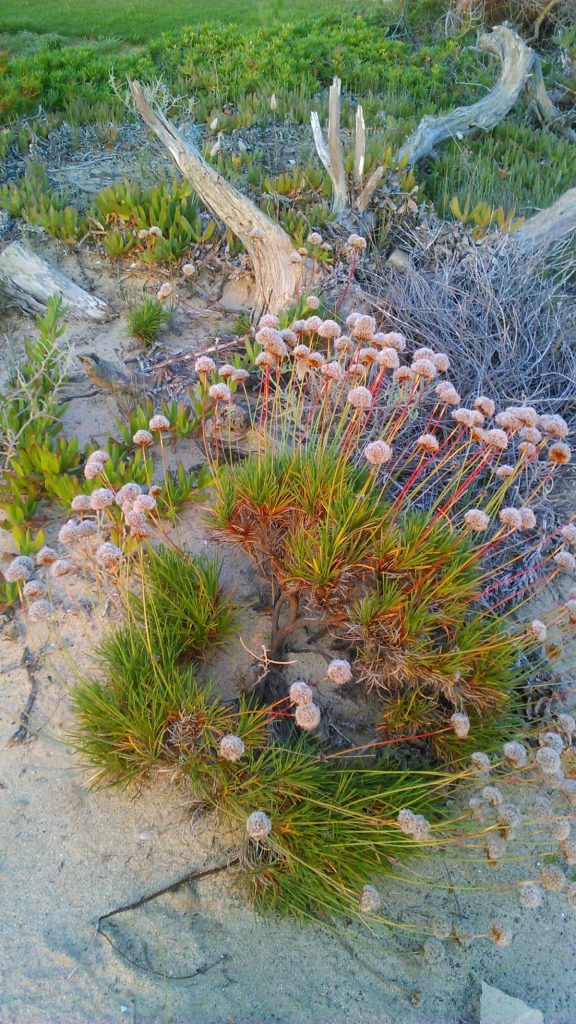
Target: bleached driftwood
(517, 60)
(555, 224)
(31, 282)
(276, 268)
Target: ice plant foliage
(399, 522)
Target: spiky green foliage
(147, 319)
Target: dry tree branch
(331, 153)
(269, 247)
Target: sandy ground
(69, 855)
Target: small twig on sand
(23, 732)
(191, 876)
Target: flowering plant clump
(399, 523)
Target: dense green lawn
(141, 20)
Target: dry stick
(23, 732)
(191, 876)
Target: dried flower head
(461, 724)
(101, 498)
(188, 269)
(339, 671)
(424, 368)
(504, 472)
(33, 589)
(568, 849)
(329, 329)
(567, 723)
(552, 740)
(565, 559)
(377, 452)
(441, 928)
(428, 443)
(548, 760)
(552, 878)
(61, 567)
(441, 362)
(568, 532)
(370, 900)
(388, 358)
(312, 325)
(480, 762)
(367, 356)
(93, 469)
(40, 610)
(495, 848)
(531, 434)
(571, 896)
(109, 556)
(301, 693)
(468, 417)
(143, 438)
(509, 815)
(307, 716)
(515, 754)
(539, 630)
(239, 376)
(159, 422)
(421, 829)
(424, 353)
(476, 519)
(511, 517)
(447, 393)
(86, 530)
(81, 503)
(528, 518)
(314, 238)
(403, 374)
(363, 327)
(500, 935)
(485, 405)
(356, 242)
(127, 494)
(559, 453)
(392, 339)
(165, 290)
(265, 359)
(552, 425)
(496, 439)
(406, 820)
(145, 503)
(530, 896)
(68, 532)
(492, 796)
(231, 748)
(360, 398)
(332, 371)
(204, 365)
(258, 826)
(220, 393)
(269, 320)
(46, 556)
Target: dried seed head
(548, 760)
(478, 808)
(468, 417)
(476, 519)
(68, 532)
(388, 358)
(441, 362)
(538, 629)
(447, 393)
(530, 896)
(204, 365)
(314, 238)
(332, 371)
(568, 848)
(339, 671)
(46, 556)
(406, 820)
(86, 530)
(269, 320)
(485, 405)
(101, 498)
(370, 900)
(301, 693)
(231, 748)
(312, 325)
(528, 518)
(239, 376)
(93, 469)
(19, 568)
(559, 453)
(165, 290)
(511, 517)
(496, 439)
(258, 826)
(421, 829)
(568, 532)
(552, 425)
(560, 829)
(552, 878)
(363, 328)
(428, 443)
(220, 393)
(144, 503)
(33, 589)
(531, 434)
(565, 722)
(551, 739)
(61, 567)
(159, 422)
(509, 815)
(307, 716)
(360, 398)
(515, 754)
(40, 610)
(392, 339)
(81, 503)
(403, 374)
(377, 452)
(480, 762)
(108, 556)
(461, 724)
(188, 269)
(571, 896)
(127, 495)
(504, 472)
(424, 368)
(356, 242)
(492, 796)
(565, 560)
(441, 928)
(500, 935)
(329, 329)
(143, 438)
(495, 848)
